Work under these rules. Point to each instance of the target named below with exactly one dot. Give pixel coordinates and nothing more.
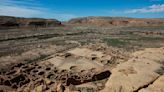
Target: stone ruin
(34, 77)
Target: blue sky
(67, 9)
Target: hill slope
(117, 21)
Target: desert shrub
(115, 42)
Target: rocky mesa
(117, 21)
(18, 22)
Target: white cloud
(30, 8)
(150, 9)
(19, 11)
(155, 0)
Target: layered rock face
(17, 22)
(117, 21)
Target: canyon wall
(17, 22)
(117, 21)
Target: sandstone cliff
(14, 22)
(117, 21)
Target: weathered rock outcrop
(157, 86)
(138, 72)
(117, 21)
(17, 22)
